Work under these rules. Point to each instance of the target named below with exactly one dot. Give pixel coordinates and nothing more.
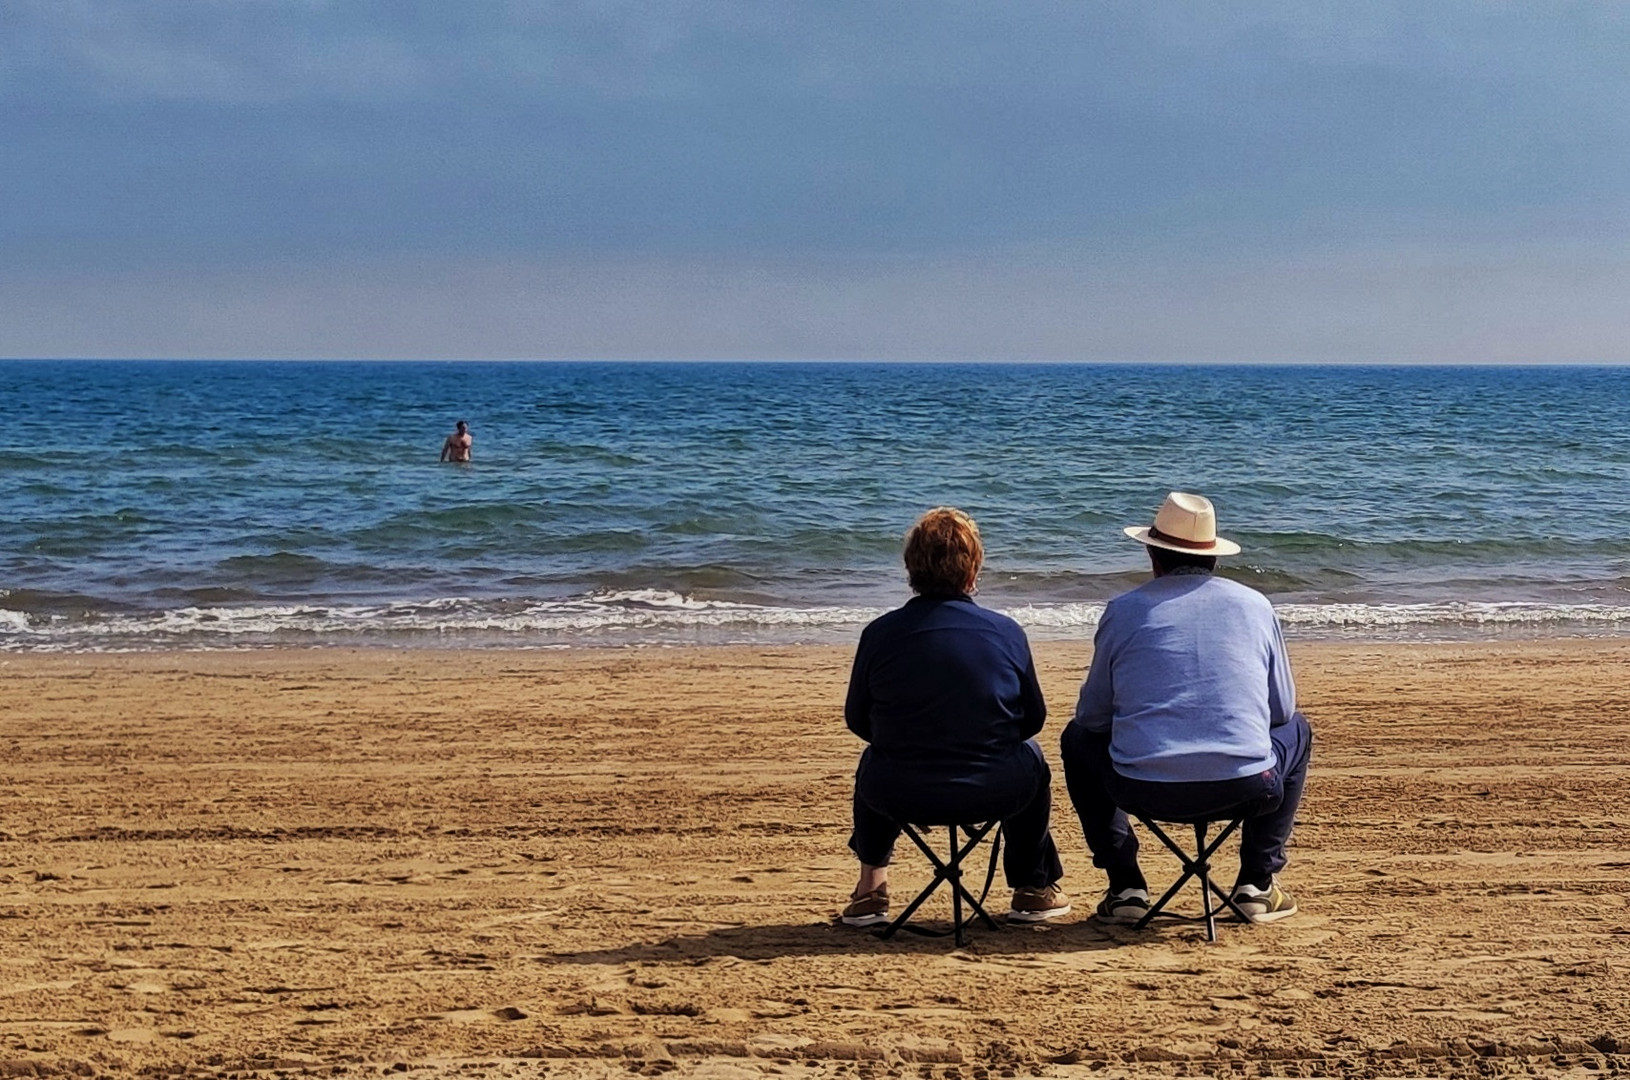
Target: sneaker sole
(1274, 916)
(1038, 916)
(862, 920)
(1121, 918)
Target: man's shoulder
(1239, 592)
(1203, 589)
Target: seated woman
(946, 694)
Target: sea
(180, 505)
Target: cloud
(1466, 304)
(193, 141)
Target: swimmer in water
(457, 446)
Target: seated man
(1188, 709)
(945, 694)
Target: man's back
(1188, 713)
(1189, 672)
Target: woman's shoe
(1038, 905)
(868, 909)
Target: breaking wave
(659, 617)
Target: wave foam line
(657, 616)
(1371, 616)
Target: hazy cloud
(212, 141)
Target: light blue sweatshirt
(1189, 671)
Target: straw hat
(1185, 523)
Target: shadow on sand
(831, 939)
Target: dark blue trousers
(1267, 801)
(1021, 796)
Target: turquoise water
(187, 504)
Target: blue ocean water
(191, 504)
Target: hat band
(1177, 541)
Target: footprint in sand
(144, 988)
(132, 1035)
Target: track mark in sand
(28, 988)
(506, 1014)
(593, 1006)
(451, 961)
(666, 1007)
(1447, 1013)
(143, 987)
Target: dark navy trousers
(1267, 801)
(1020, 794)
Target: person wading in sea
(457, 446)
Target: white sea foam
(1468, 614)
(1044, 617)
(654, 616)
(626, 617)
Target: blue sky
(1370, 182)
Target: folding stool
(950, 870)
(1197, 865)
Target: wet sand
(601, 863)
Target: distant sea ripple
(156, 505)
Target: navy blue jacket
(946, 693)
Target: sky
(827, 179)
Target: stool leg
(1204, 874)
(949, 871)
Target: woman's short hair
(943, 552)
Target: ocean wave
(637, 616)
(659, 616)
(1040, 618)
(1468, 614)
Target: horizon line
(813, 361)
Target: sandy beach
(604, 862)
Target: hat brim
(1219, 546)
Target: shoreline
(1503, 628)
(576, 862)
(1042, 647)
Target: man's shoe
(1123, 905)
(867, 910)
(1264, 905)
(1038, 905)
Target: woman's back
(945, 686)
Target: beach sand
(606, 862)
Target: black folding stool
(1197, 865)
(950, 870)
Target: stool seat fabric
(1224, 814)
